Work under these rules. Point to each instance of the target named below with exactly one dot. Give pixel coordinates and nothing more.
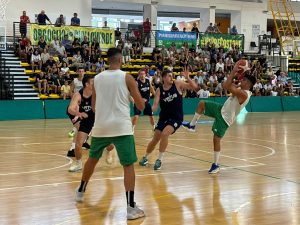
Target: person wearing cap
(226, 114)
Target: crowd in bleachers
(54, 64)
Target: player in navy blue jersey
(145, 88)
(169, 96)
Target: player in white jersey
(111, 104)
(226, 114)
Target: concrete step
(12, 62)
(21, 77)
(14, 65)
(26, 98)
(28, 85)
(17, 73)
(26, 94)
(16, 69)
(19, 90)
(11, 58)
(7, 55)
(17, 81)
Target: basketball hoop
(3, 4)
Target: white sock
(160, 155)
(154, 127)
(74, 129)
(195, 119)
(72, 146)
(216, 156)
(133, 127)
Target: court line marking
(259, 157)
(11, 137)
(234, 214)
(37, 171)
(118, 178)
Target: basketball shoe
(79, 196)
(189, 127)
(214, 168)
(157, 164)
(134, 212)
(76, 166)
(143, 161)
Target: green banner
(106, 37)
(166, 38)
(221, 39)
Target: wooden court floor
(259, 183)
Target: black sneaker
(71, 153)
(86, 145)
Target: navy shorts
(86, 125)
(147, 110)
(161, 124)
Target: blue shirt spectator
(42, 17)
(75, 21)
(233, 30)
(67, 44)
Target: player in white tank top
(111, 104)
(226, 114)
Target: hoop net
(3, 4)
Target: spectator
(42, 43)
(45, 56)
(184, 30)
(146, 32)
(75, 21)
(195, 29)
(76, 46)
(216, 29)
(60, 21)
(85, 44)
(24, 19)
(40, 81)
(118, 34)
(126, 55)
(36, 60)
(105, 25)
(210, 29)
(77, 60)
(67, 44)
(174, 28)
(220, 65)
(233, 30)
(66, 90)
(61, 51)
(203, 92)
(95, 45)
(65, 69)
(42, 17)
(55, 42)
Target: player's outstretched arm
(190, 85)
(134, 92)
(156, 100)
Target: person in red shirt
(146, 32)
(24, 19)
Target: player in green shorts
(226, 114)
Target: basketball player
(81, 114)
(76, 85)
(145, 89)
(226, 114)
(111, 102)
(169, 96)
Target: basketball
(242, 68)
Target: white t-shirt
(77, 85)
(112, 115)
(203, 94)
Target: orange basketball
(242, 68)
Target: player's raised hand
(185, 72)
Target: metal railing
(6, 81)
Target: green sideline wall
(56, 109)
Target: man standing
(226, 114)
(75, 21)
(111, 104)
(146, 32)
(145, 89)
(42, 17)
(24, 19)
(169, 96)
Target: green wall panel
(291, 103)
(266, 104)
(56, 109)
(21, 110)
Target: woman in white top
(45, 56)
(65, 69)
(36, 60)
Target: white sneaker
(134, 213)
(79, 196)
(109, 158)
(76, 166)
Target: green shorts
(213, 109)
(125, 147)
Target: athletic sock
(130, 198)
(216, 157)
(195, 119)
(82, 186)
(160, 155)
(72, 146)
(74, 129)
